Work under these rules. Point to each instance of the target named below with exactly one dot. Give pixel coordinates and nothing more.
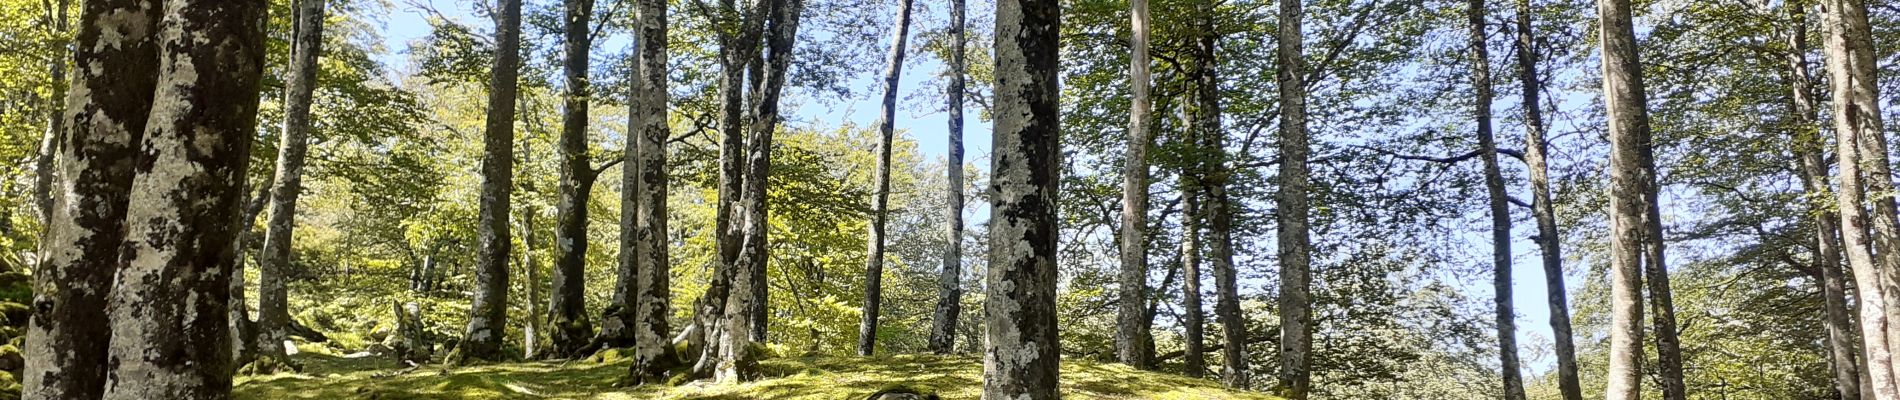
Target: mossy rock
(610, 355)
(9, 386)
(17, 314)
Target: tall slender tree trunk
(170, 336)
(1131, 323)
(1220, 210)
(745, 307)
(488, 310)
(567, 309)
(880, 196)
(1021, 355)
(1656, 276)
(1194, 357)
(274, 268)
(1500, 207)
(107, 107)
(653, 354)
(943, 324)
(1809, 146)
(1629, 126)
(739, 32)
(1848, 50)
(1542, 208)
(243, 329)
(43, 176)
(531, 329)
(1296, 302)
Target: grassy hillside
(828, 378)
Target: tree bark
(531, 329)
(1848, 51)
(880, 196)
(107, 107)
(274, 267)
(1629, 126)
(171, 338)
(653, 353)
(736, 50)
(1194, 361)
(243, 329)
(1656, 276)
(1021, 355)
(488, 310)
(745, 307)
(1499, 201)
(1543, 210)
(1132, 325)
(943, 324)
(567, 309)
(1234, 364)
(1296, 303)
(1808, 146)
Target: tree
(943, 324)
(1499, 201)
(55, 120)
(1848, 51)
(170, 337)
(1623, 97)
(1296, 302)
(107, 107)
(488, 310)
(745, 306)
(1220, 214)
(1133, 344)
(1808, 148)
(1021, 356)
(1194, 357)
(274, 268)
(567, 310)
(645, 227)
(880, 197)
(1535, 150)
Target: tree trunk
(1131, 322)
(1808, 146)
(744, 307)
(243, 329)
(567, 310)
(274, 268)
(1296, 303)
(410, 342)
(1656, 276)
(1234, 363)
(170, 336)
(488, 310)
(1629, 126)
(43, 177)
(736, 50)
(65, 346)
(1021, 355)
(1500, 207)
(943, 324)
(653, 353)
(531, 329)
(880, 196)
(1544, 211)
(1194, 358)
(1851, 67)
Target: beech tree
(943, 325)
(1863, 169)
(567, 311)
(643, 219)
(488, 310)
(1536, 151)
(1808, 147)
(274, 264)
(1498, 200)
(1132, 340)
(1021, 356)
(1296, 302)
(880, 196)
(1623, 98)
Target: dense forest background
(1403, 301)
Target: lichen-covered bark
(1808, 147)
(1193, 356)
(943, 323)
(745, 304)
(1541, 207)
(104, 118)
(1861, 150)
(1131, 320)
(170, 333)
(1021, 355)
(567, 309)
(653, 354)
(1220, 222)
(274, 263)
(1629, 126)
(738, 36)
(1296, 298)
(1500, 207)
(880, 196)
(488, 310)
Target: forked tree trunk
(1296, 299)
(170, 335)
(744, 307)
(488, 310)
(1132, 324)
(881, 194)
(1021, 356)
(567, 309)
(1500, 207)
(943, 324)
(65, 346)
(1629, 126)
(1544, 212)
(1808, 145)
(273, 306)
(653, 353)
(1848, 51)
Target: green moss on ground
(829, 378)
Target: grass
(829, 378)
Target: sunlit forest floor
(830, 378)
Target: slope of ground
(829, 378)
